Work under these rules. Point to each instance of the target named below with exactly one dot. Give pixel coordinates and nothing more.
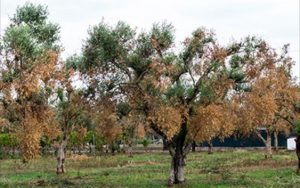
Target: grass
(221, 169)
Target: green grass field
(221, 169)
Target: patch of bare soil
(76, 157)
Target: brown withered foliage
(271, 98)
(105, 117)
(167, 119)
(25, 104)
(214, 120)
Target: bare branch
(260, 136)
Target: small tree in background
(271, 98)
(292, 117)
(131, 124)
(29, 57)
(106, 123)
(70, 118)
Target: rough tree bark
(129, 148)
(276, 140)
(113, 149)
(79, 150)
(210, 147)
(194, 146)
(61, 156)
(177, 167)
(178, 149)
(297, 140)
(267, 142)
(165, 145)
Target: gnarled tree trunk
(61, 156)
(177, 167)
(178, 150)
(297, 140)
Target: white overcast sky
(276, 21)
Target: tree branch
(197, 85)
(123, 68)
(158, 131)
(286, 119)
(187, 147)
(260, 136)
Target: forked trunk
(61, 156)
(297, 140)
(268, 144)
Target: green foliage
(243, 87)
(207, 93)
(138, 63)
(297, 126)
(151, 89)
(237, 75)
(73, 141)
(143, 45)
(8, 76)
(74, 62)
(163, 34)
(200, 38)
(45, 143)
(178, 90)
(20, 38)
(251, 43)
(30, 34)
(60, 94)
(235, 61)
(89, 137)
(31, 14)
(297, 106)
(106, 44)
(123, 109)
(146, 142)
(99, 142)
(72, 112)
(8, 140)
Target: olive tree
(184, 93)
